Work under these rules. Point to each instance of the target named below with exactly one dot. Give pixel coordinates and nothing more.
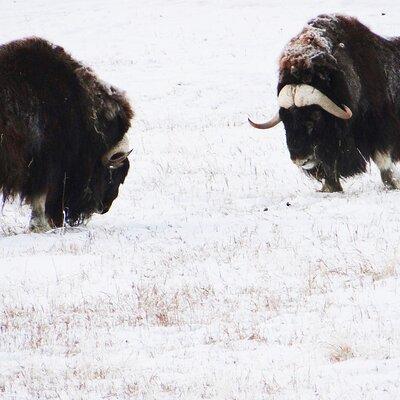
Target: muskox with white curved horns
(339, 101)
(63, 143)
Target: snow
(187, 288)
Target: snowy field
(187, 288)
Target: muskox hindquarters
(64, 147)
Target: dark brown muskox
(339, 98)
(63, 144)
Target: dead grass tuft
(341, 353)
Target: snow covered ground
(187, 288)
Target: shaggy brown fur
(353, 66)
(57, 120)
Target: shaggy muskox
(63, 144)
(339, 98)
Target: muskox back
(40, 113)
(57, 121)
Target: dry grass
(341, 353)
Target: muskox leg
(331, 185)
(329, 177)
(389, 175)
(38, 222)
(54, 212)
(54, 205)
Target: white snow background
(187, 288)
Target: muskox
(339, 99)
(63, 143)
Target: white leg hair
(38, 222)
(389, 174)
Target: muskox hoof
(331, 187)
(392, 185)
(390, 179)
(39, 226)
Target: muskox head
(105, 164)
(305, 112)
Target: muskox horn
(115, 157)
(286, 96)
(285, 100)
(266, 125)
(306, 95)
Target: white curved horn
(266, 125)
(286, 96)
(111, 160)
(300, 96)
(306, 95)
(285, 100)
